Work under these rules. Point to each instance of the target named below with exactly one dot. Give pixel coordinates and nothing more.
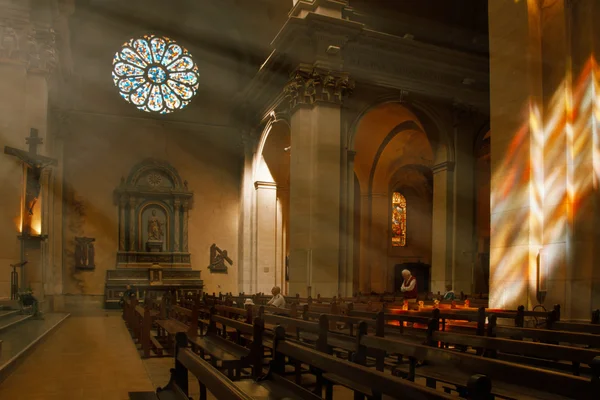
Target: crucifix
(35, 164)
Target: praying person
(278, 300)
(449, 295)
(409, 286)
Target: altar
(143, 280)
(153, 205)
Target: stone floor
(84, 358)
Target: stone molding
(442, 167)
(311, 87)
(265, 185)
(369, 57)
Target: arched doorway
(271, 178)
(393, 154)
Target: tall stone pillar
(315, 174)
(247, 228)
(266, 235)
(365, 248)
(280, 236)
(350, 276)
(516, 151)
(583, 167)
(442, 229)
(463, 238)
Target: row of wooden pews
(463, 351)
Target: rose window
(155, 74)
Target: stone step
(12, 320)
(21, 338)
(7, 313)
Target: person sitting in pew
(449, 295)
(409, 287)
(127, 294)
(277, 300)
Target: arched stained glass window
(398, 220)
(155, 74)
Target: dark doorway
(419, 270)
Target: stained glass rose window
(155, 74)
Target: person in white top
(278, 300)
(409, 287)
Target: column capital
(27, 45)
(443, 166)
(265, 185)
(309, 86)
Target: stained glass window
(155, 74)
(398, 220)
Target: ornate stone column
(441, 246)
(177, 211)
(315, 99)
(352, 279)
(132, 224)
(186, 210)
(122, 233)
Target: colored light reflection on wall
(541, 183)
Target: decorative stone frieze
(34, 47)
(310, 87)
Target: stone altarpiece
(153, 205)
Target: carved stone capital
(312, 86)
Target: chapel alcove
(154, 203)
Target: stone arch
(429, 120)
(150, 164)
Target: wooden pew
(450, 367)
(208, 377)
(141, 328)
(521, 351)
(348, 371)
(232, 356)
(179, 320)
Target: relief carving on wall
(84, 253)
(218, 258)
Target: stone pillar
(583, 166)
(132, 204)
(463, 238)
(280, 236)
(350, 285)
(247, 244)
(441, 246)
(266, 235)
(176, 233)
(186, 210)
(516, 144)
(315, 174)
(364, 243)
(122, 233)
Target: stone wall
(105, 148)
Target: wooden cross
(31, 157)
(36, 163)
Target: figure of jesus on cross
(35, 164)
